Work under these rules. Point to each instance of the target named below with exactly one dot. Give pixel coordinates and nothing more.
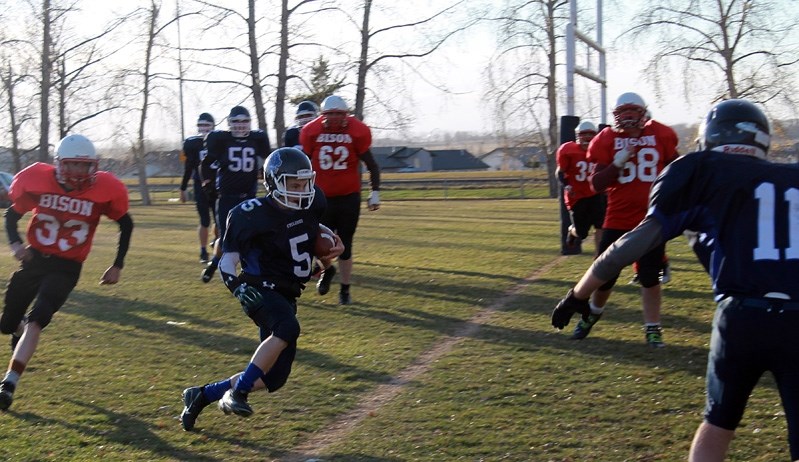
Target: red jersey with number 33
(628, 197)
(336, 155)
(64, 222)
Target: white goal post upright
(572, 35)
(569, 122)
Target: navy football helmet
(286, 164)
(306, 112)
(205, 123)
(736, 126)
(239, 122)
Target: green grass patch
(105, 383)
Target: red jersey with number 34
(628, 197)
(64, 222)
(336, 155)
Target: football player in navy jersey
(747, 209)
(272, 240)
(235, 153)
(194, 151)
(306, 112)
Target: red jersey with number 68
(576, 169)
(64, 222)
(628, 197)
(336, 155)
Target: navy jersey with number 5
(274, 244)
(749, 209)
(237, 160)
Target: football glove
(373, 203)
(249, 297)
(622, 157)
(565, 308)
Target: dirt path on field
(384, 393)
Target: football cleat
(6, 395)
(208, 273)
(323, 285)
(665, 273)
(194, 401)
(344, 298)
(204, 256)
(654, 337)
(583, 328)
(235, 401)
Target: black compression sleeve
(12, 218)
(125, 231)
(374, 170)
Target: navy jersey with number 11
(749, 209)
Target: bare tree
(44, 84)
(523, 73)
(11, 81)
(744, 48)
(370, 57)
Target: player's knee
(648, 278)
(287, 330)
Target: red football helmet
(334, 113)
(630, 111)
(76, 162)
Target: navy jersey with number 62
(749, 209)
(274, 243)
(237, 160)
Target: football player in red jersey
(586, 207)
(337, 143)
(67, 200)
(627, 159)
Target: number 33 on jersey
(64, 222)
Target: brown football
(324, 241)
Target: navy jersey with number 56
(236, 159)
(274, 243)
(749, 209)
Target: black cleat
(6, 395)
(208, 273)
(344, 298)
(204, 258)
(235, 402)
(323, 286)
(194, 401)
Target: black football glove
(249, 297)
(565, 308)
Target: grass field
(447, 354)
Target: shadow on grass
(134, 434)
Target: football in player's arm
(67, 199)
(272, 240)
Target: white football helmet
(585, 132)
(630, 111)
(76, 162)
(334, 112)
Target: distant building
(515, 158)
(412, 159)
